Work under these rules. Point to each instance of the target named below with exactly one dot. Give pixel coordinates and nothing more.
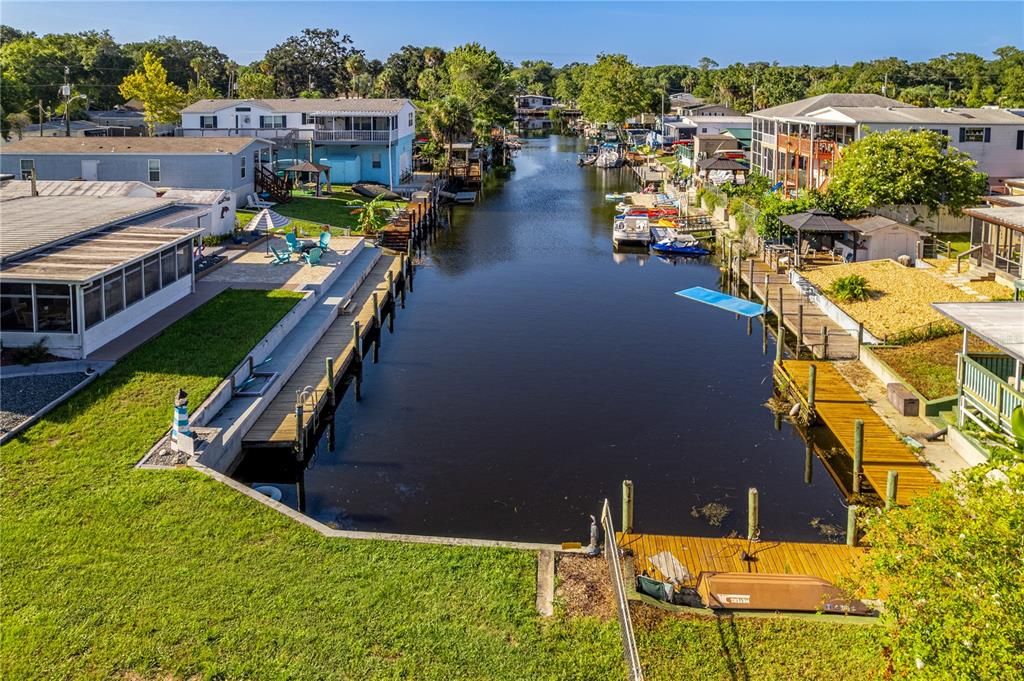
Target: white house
(798, 143)
(362, 140)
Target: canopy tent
(816, 221)
(313, 169)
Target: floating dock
(693, 555)
(294, 414)
(838, 405)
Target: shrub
(849, 288)
(31, 354)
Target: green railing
(985, 397)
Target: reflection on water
(535, 368)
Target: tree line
(470, 87)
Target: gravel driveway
(22, 396)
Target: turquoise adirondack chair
(325, 241)
(313, 257)
(279, 257)
(294, 245)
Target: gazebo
(311, 169)
(816, 221)
(706, 166)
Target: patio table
(775, 253)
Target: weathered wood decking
(840, 344)
(710, 554)
(838, 405)
(279, 425)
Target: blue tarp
(722, 300)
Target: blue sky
(819, 32)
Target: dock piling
(860, 337)
(799, 328)
(627, 505)
(300, 453)
(376, 308)
(357, 339)
(752, 513)
(812, 381)
(330, 379)
(851, 525)
(808, 463)
(824, 342)
(779, 340)
(891, 485)
(858, 453)
(750, 279)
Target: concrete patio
(255, 268)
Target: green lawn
(958, 242)
(113, 572)
(723, 648)
(308, 213)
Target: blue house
(362, 140)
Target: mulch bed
(584, 586)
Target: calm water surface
(532, 372)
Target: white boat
(631, 229)
(608, 158)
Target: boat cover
(722, 300)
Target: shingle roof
(130, 145)
(805, 106)
(874, 114)
(300, 105)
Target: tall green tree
(903, 167)
(614, 89)
(184, 60)
(162, 99)
(313, 60)
(254, 84)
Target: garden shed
(881, 238)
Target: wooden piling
(752, 513)
(299, 444)
(330, 379)
(376, 308)
(799, 328)
(812, 380)
(860, 337)
(808, 463)
(858, 453)
(357, 340)
(824, 342)
(851, 525)
(891, 485)
(779, 341)
(627, 505)
(750, 278)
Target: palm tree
(355, 66)
(447, 119)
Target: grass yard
(308, 213)
(930, 366)
(724, 648)
(900, 297)
(113, 572)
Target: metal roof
(91, 256)
(873, 223)
(1000, 324)
(805, 106)
(926, 116)
(33, 223)
(15, 189)
(301, 105)
(132, 145)
(1012, 217)
(200, 196)
(816, 221)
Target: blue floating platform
(722, 300)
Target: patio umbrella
(267, 220)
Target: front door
(90, 170)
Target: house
(687, 127)
(989, 385)
(78, 271)
(881, 238)
(533, 112)
(224, 163)
(362, 140)
(681, 101)
(799, 143)
(997, 236)
(131, 120)
(58, 128)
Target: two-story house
(799, 143)
(362, 140)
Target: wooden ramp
(700, 554)
(838, 405)
(278, 425)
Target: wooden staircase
(267, 181)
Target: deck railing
(990, 397)
(611, 554)
(353, 135)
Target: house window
(272, 121)
(308, 119)
(184, 260)
(53, 308)
(242, 161)
(362, 123)
(411, 119)
(93, 296)
(394, 122)
(132, 284)
(243, 108)
(16, 312)
(207, 121)
(151, 275)
(1020, 139)
(975, 134)
(375, 160)
(168, 273)
(154, 170)
(28, 166)
(113, 294)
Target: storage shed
(880, 238)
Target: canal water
(534, 369)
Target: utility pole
(65, 91)
(42, 113)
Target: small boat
(679, 244)
(633, 229)
(586, 159)
(614, 197)
(608, 158)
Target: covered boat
(679, 244)
(372, 191)
(632, 229)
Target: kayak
(614, 197)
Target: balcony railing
(353, 135)
(802, 145)
(296, 134)
(985, 396)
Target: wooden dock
(838, 405)
(413, 223)
(830, 562)
(817, 333)
(289, 419)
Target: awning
(1000, 324)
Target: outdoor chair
(313, 257)
(279, 257)
(294, 245)
(255, 202)
(325, 241)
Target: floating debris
(714, 513)
(830, 532)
